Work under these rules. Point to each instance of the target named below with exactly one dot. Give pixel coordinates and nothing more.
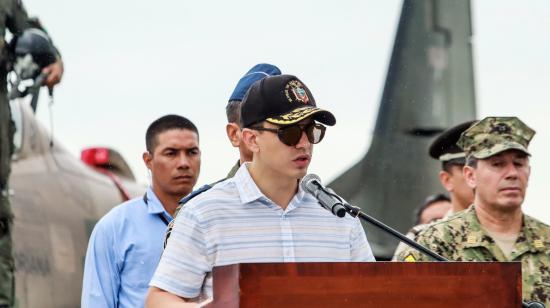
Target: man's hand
(55, 73)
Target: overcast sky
(129, 62)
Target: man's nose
(512, 171)
(183, 161)
(304, 141)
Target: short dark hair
(471, 161)
(447, 165)
(427, 202)
(233, 112)
(164, 123)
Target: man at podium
(494, 228)
(260, 215)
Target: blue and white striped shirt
(235, 223)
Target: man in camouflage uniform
(494, 228)
(13, 17)
(453, 159)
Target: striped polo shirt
(235, 223)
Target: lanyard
(164, 220)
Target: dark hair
(163, 124)
(471, 161)
(448, 164)
(429, 201)
(233, 112)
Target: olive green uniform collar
(527, 240)
(234, 169)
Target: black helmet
(38, 44)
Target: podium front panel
(376, 284)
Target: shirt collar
(153, 203)
(475, 236)
(527, 239)
(249, 191)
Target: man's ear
(250, 139)
(147, 159)
(446, 181)
(234, 134)
(470, 176)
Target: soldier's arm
(17, 19)
(55, 70)
(424, 238)
(402, 246)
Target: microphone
(311, 183)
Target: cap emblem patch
(295, 91)
(501, 128)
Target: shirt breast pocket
(138, 271)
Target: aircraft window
(18, 120)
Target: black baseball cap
(281, 100)
(444, 147)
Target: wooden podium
(380, 284)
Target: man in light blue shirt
(261, 214)
(126, 244)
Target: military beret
(444, 147)
(493, 135)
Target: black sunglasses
(291, 135)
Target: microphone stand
(355, 211)
(342, 206)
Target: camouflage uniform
(412, 234)
(13, 17)
(233, 170)
(461, 238)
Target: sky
(130, 62)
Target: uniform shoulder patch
(410, 258)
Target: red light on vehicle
(95, 156)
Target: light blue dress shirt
(123, 253)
